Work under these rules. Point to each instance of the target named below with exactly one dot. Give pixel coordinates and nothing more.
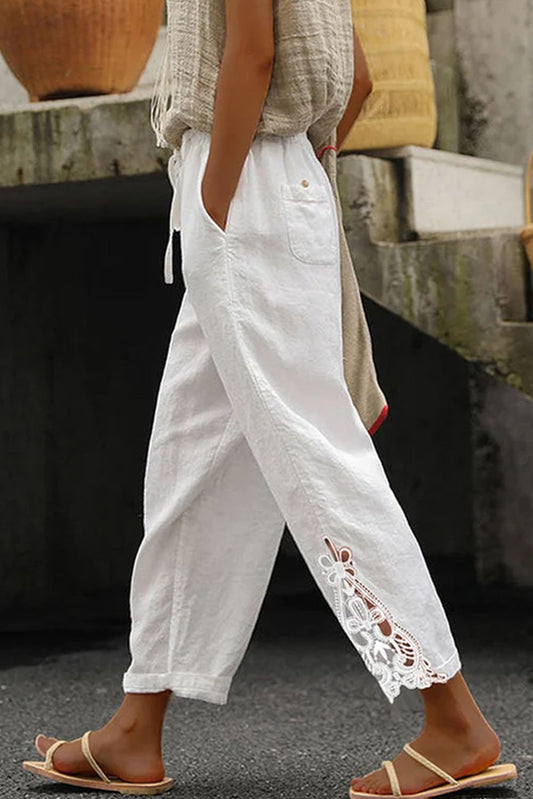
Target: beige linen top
(311, 84)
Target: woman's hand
(216, 207)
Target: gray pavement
(303, 715)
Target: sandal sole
(491, 776)
(118, 786)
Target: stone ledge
(81, 139)
(446, 192)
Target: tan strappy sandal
(492, 775)
(102, 783)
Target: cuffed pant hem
(186, 686)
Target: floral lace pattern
(391, 654)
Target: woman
(254, 425)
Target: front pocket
(208, 218)
(309, 222)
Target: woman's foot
(456, 737)
(127, 747)
(119, 756)
(459, 755)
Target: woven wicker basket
(527, 233)
(401, 109)
(65, 48)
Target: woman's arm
(242, 87)
(362, 87)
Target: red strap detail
(323, 150)
(381, 418)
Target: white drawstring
(174, 176)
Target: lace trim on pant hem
(389, 651)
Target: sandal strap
(88, 754)
(49, 754)
(388, 765)
(429, 764)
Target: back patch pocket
(309, 222)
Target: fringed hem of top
(161, 98)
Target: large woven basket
(65, 48)
(527, 233)
(401, 109)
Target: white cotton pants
(254, 426)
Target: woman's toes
(366, 784)
(67, 758)
(43, 744)
(371, 783)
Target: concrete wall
(502, 446)
(441, 34)
(425, 441)
(489, 45)
(85, 321)
(458, 447)
(495, 55)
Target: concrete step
(469, 290)
(450, 193)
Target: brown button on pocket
(309, 222)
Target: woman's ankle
(140, 715)
(475, 736)
(451, 708)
